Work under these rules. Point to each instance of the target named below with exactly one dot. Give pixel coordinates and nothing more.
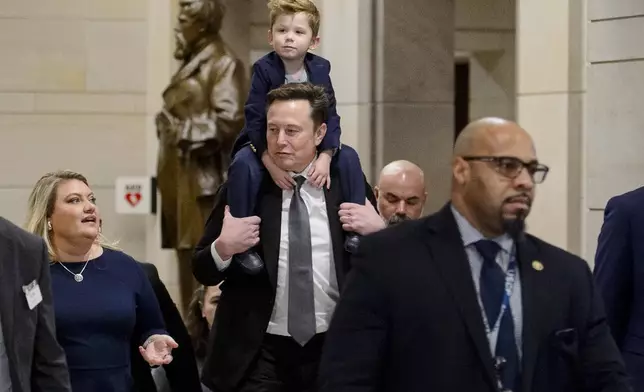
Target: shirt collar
(471, 235)
(304, 173)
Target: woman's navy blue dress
(97, 319)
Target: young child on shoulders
(294, 31)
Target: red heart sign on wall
(133, 198)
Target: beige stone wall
(73, 96)
(80, 83)
(614, 128)
(579, 87)
(550, 95)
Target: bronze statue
(201, 117)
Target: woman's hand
(158, 350)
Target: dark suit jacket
(36, 361)
(619, 274)
(409, 320)
(268, 74)
(182, 372)
(246, 301)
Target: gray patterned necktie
(301, 305)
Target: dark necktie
(492, 288)
(301, 305)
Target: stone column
(160, 67)
(414, 97)
(392, 69)
(349, 49)
(72, 78)
(550, 92)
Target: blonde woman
(102, 298)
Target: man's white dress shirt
(325, 291)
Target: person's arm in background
(601, 363)
(613, 272)
(49, 371)
(182, 373)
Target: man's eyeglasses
(511, 167)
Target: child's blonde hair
(288, 7)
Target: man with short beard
(400, 195)
(464, 300)
(401, 192)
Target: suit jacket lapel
(448, 253)
(8, 281)
(271, 228)
(332, 199)
(535, 304)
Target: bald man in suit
(464, 300)
(400, 195)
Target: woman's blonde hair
(41, 205)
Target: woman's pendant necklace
(79, 276)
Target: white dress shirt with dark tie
(326, 293)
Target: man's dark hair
(316, 95)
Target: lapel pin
(536, 264)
